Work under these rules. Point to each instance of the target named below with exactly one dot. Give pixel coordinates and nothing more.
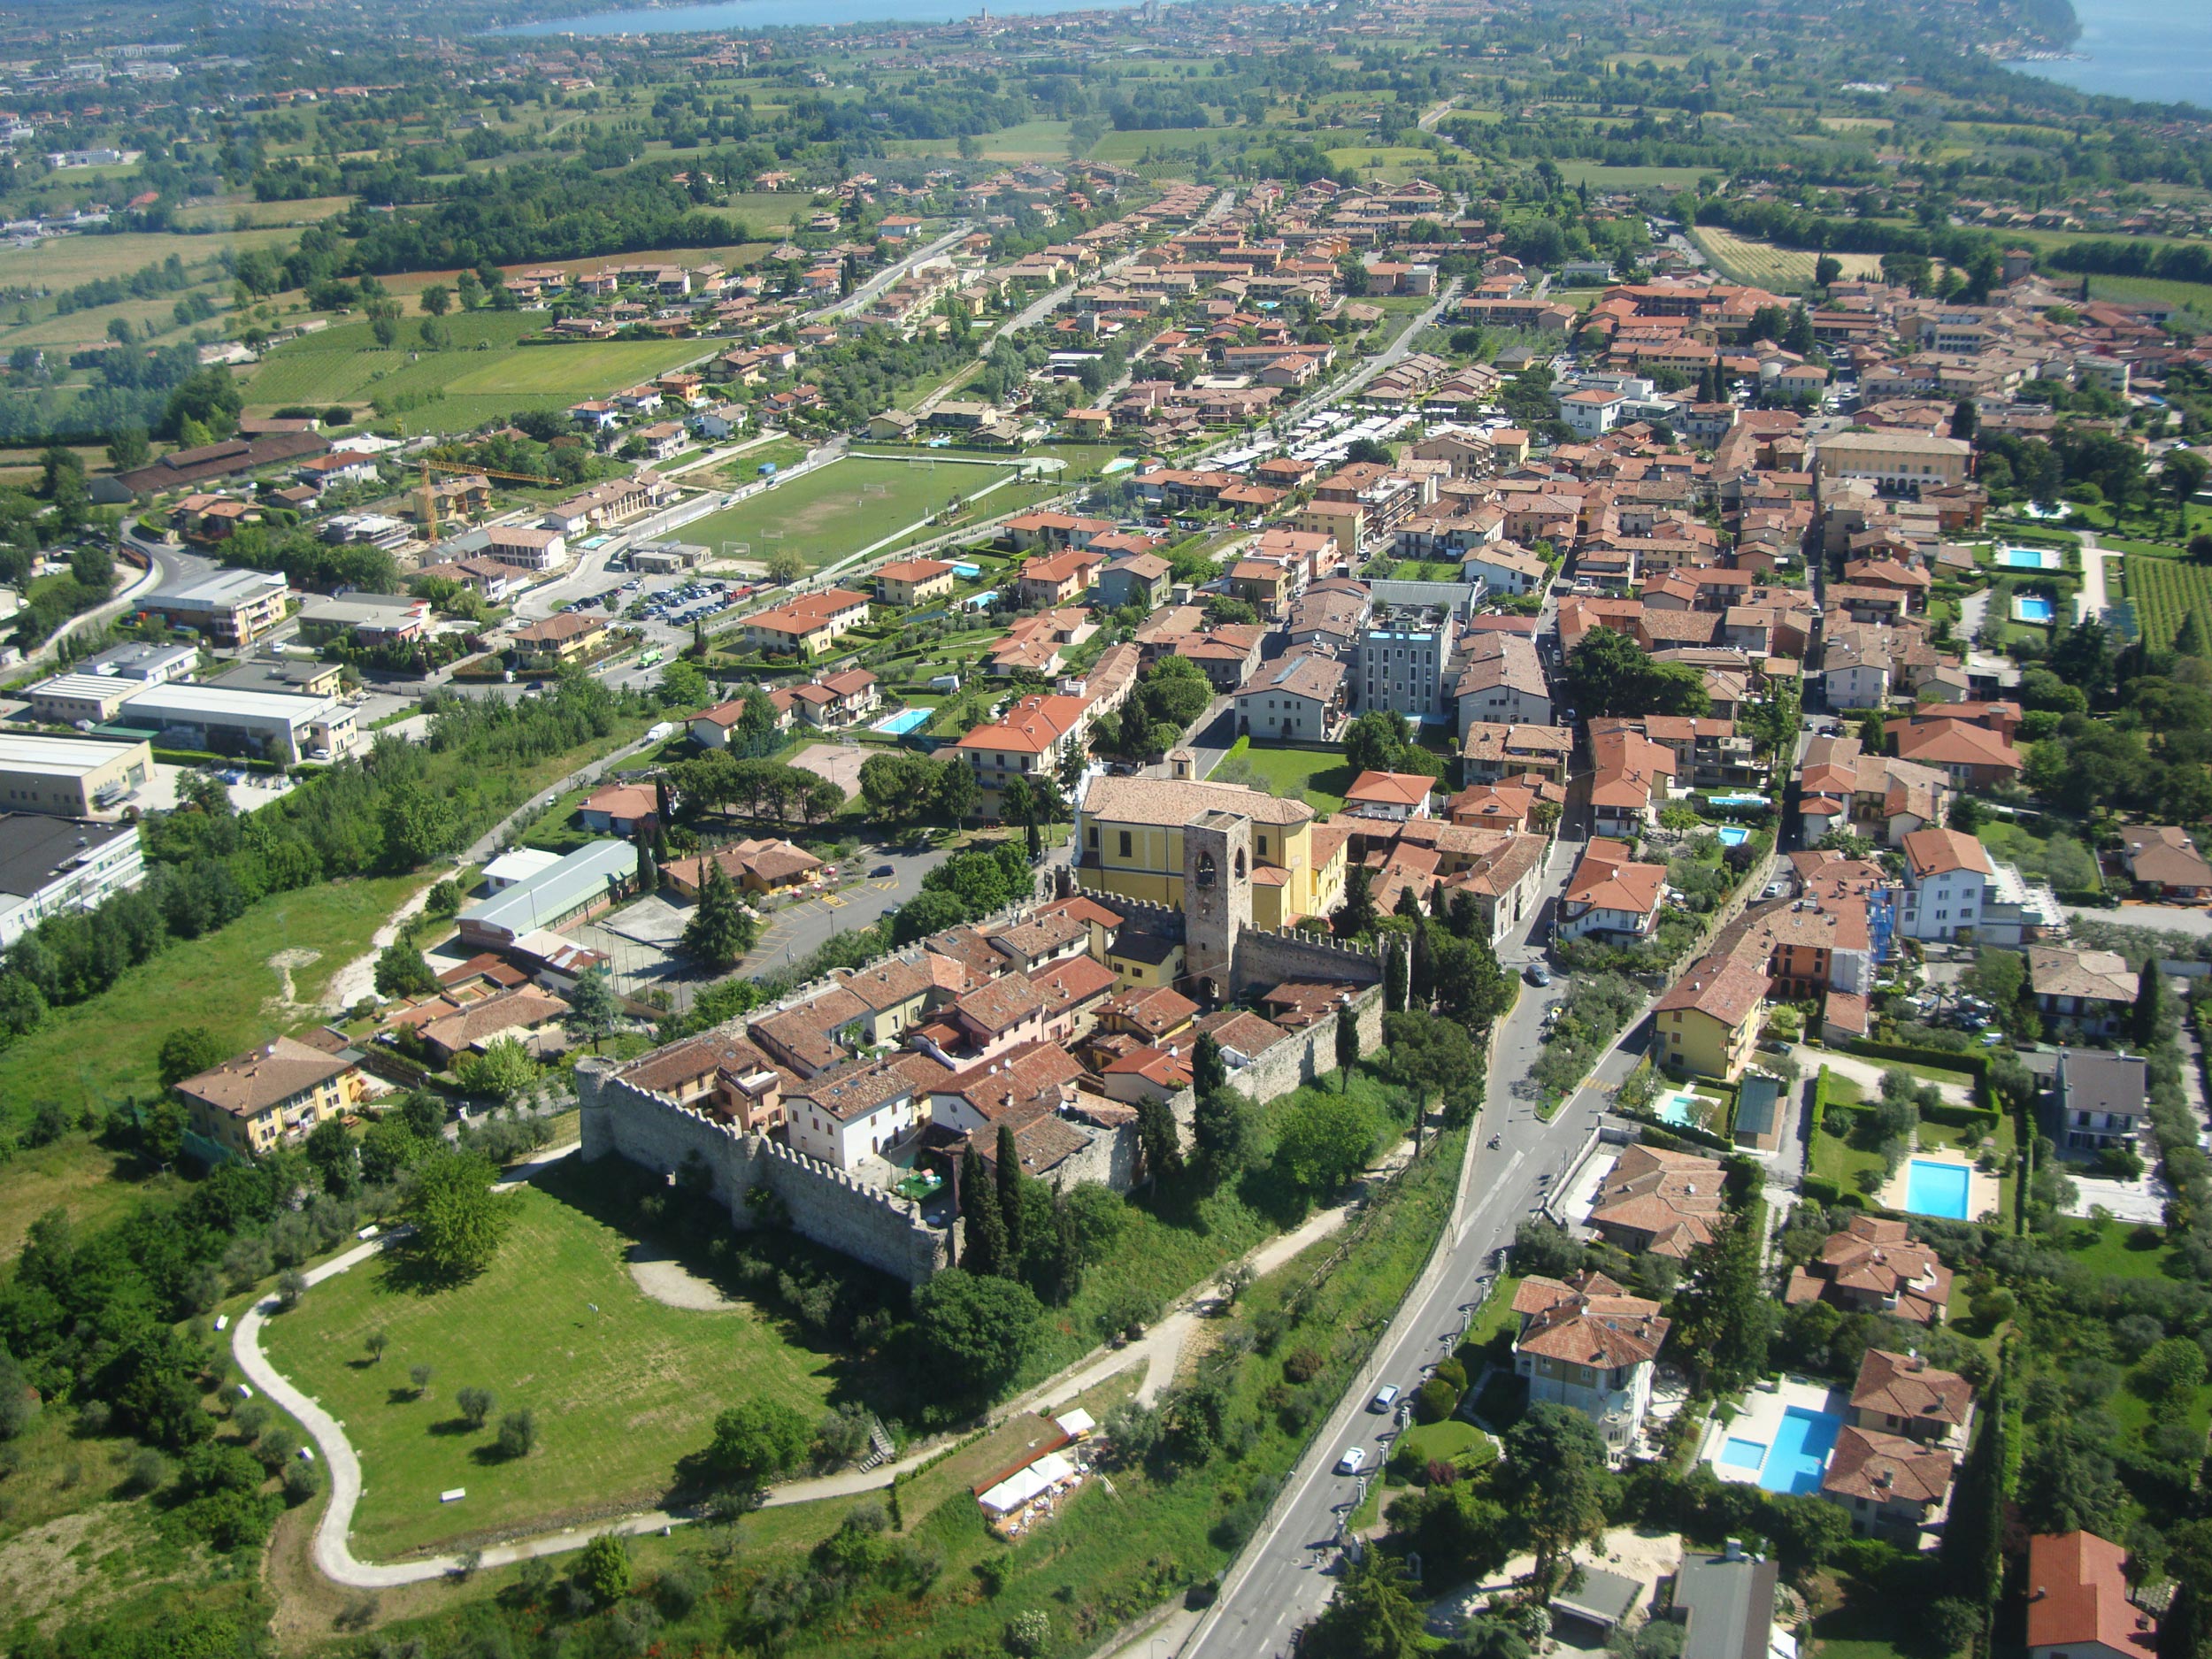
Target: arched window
(1206, 870)
(1239, 864)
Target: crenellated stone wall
(826, 1205)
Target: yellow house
(1708, 1023)
(561, 639)
(1130, 832)
(896, 995)
(1346, 520)
(272, 1094)
(808, 626)
(913, 581)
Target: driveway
(1868, 1074)
(2194, 920)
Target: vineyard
(1762, 265)
(2164, 591)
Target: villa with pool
(1885, 1451)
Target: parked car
(1386, 1397)
(1352, 1461)
(883, 870)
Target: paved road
(1284, 1576)
(866, 292)
(792, 934)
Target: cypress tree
(1009, 1203)
(1394, 977)
(649, 875)
(1346, 1045)
(1421, 970)
(983, 1250)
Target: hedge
(1820, 1190)
(1820, 1103)
(1943, 1059)
(1663, 1131)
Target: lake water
(760, 15)
(2158, 50)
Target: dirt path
(1160, 1351)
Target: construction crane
(430, 495)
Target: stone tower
(1216, 900)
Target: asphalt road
(792, 934)
(1286, 1574)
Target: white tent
(1076, 1424)
(1017, 1488)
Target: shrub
(602, 1571)
(1304, 1364)
(518, 1434)
(1434, 1400)
(1028, 1633)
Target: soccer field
(839, 508)
(483, 376)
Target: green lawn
(1447, 1440)
(839, 508)
(484, 374)
(2111, 1249)
(622, 1386)
(1320, 776)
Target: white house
(1588, 1345)
(1503, 567)
(1591, 412)
(1947, 876)
(1610, 896)
(855, 1110)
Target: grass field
(1026, 140)
(1765, 266)
(1384, 161)
(771, 210)
(483, 376)
(65, 261)
(1126, 148)
(830, 512)
(622, 1386)
(225, 216)
(1598, 176)
(2196, 297)
(1319, 776)
(2165, 590)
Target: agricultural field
(1783, 269)
(1598, 176)
(2165, 590)
(1026, 140)
(63, 262)
(1128, 148)
(483, 377)
(224, 216)
(622, 1386)
(836, 511)
(1380, 161)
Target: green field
(1317, 776)
(2196, 296)
(65, 261)
(484, 376)
(622, 1386)
(2165, 590)
(840, 508)
(1128, 148)
(1601, 177)
(1026, 140)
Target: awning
(1018, 1488)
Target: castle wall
(826, 1205)
(1266, 959)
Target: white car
(1352, 1461)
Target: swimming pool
(2032, 608)
(1800, 1452)
(1732, 835)
(1743, 1454)
(966, 571)
(2029, 558)
(904, 721)
(1936, 1189)
(1677, 1106)
(1738, 799)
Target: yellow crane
(430, 495)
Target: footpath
(1159, 1351)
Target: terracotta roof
(1587, 1321)
(2099, 976)
(494, 1016)
(1390, 788)
(1162, 802)
(1907, 1386)
(1000, 1005)
(1887, 1468)
(1723, 988)
(2077, 1594)
(264, 1078)
(1933, 852)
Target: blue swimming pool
(1743, 1454)
(966, 571)
(904, 721)
(1936, 1189)
(1800, 1452)
(2032, 608)
(1738, 799)
(1732, 835)
(2029, 558)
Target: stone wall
(1306, 1054)
(831, 1207)
(1266, 959)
